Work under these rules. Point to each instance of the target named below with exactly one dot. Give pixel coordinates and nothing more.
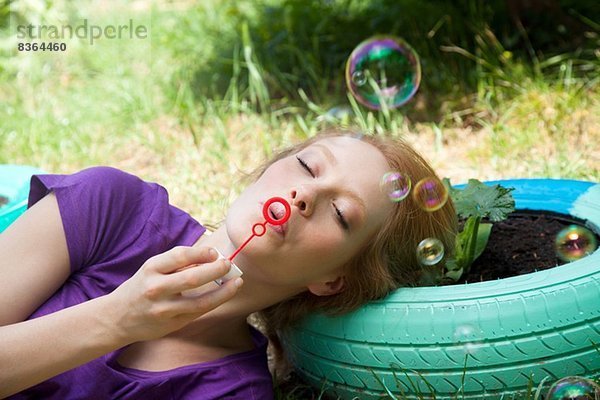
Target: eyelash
(341, 218)
(339, 213)
(305, 166)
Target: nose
(304, 197)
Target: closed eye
(338, 213)
(341, 218)
(305, 166)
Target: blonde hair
(388, 260)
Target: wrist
(110, 321)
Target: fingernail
(238, 282)
(212, 252)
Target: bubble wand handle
(254, 233)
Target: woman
(91, 275)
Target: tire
(14, 185)
(529, 329)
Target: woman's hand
(150, 305)
(147, 306)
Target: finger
(195, 276)
(210, 300)
(182, 256)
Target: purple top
(114, 222)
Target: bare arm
(38, 349)
(34, 263)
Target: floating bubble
(359, 78)
(430, 251)
(468, 336)
(395, 185)
(337, 114)
(430, 194)
(574, 242)
(383, 70)
(574, 387)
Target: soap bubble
(574, 387)
(395, 185)
(359, 78)
(430, 194)
(383, 69)
(430, 251)
(338, 113)
(574, 242)
(468, 336)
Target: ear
(327, 288)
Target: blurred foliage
(463, 45)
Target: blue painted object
(530, 329)
(14, 185)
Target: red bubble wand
(260, 228)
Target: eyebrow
(327, 153)
(350, 193)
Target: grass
(219, 86)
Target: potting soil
(523, 243)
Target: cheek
(322, 240)
(325, 245)
(242, 214)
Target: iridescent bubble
(468, 336)
(575, 242)
(339, 113)
(574, 387)
(383, 70)
(430, 194)
(395, 185)
(430, 251)
(359, 78)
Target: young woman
(92, 275)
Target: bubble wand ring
(260, 228)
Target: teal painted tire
(529, 329)
(14, 186)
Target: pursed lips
(277, 211)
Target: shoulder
(100, 191)
(96, 182)
(112, 179)
(104, 210)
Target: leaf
(452, 271)
(465, 252)
(430, 277)
(483, 234)
(474, 202)
(452, 276)
(480, 200)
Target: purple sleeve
(99, 206)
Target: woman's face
(337, 206)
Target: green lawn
(218, 85)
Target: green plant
(474, 203)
